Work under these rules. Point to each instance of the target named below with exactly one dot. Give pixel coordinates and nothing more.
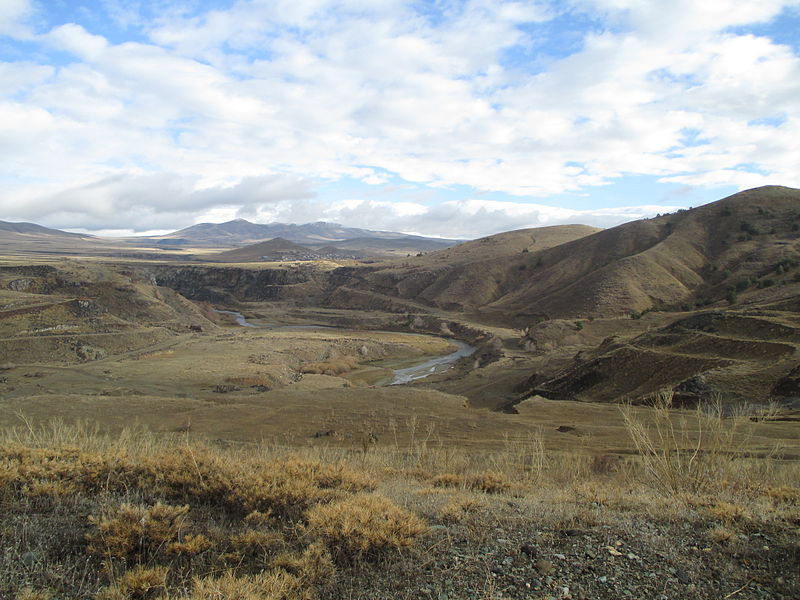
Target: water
(239, 317)
(438, 364)
(428, 366)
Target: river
(427, 365)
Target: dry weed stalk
(686, 453)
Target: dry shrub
(458, 508)
(30, 594)
(725, 511)
(255, 544)
(721, 535)
(136, 531)
(363, 525)
(313, 567)
(253, 381)
(784, 494)
(192, 545)
(331, 367)
(193, 474)
(288, 487)
(58, 472)
(490, 482)
(684, 453)
(447, 480)
(143, 583)
(273, 585)
(260, 519)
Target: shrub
(458, 508)
(748, 228)
(286, 488)
(313, 567)
(136, 531)
(191, 545)
(363, 525)
(142, 583)
(253, 543)
(30, 594)
(490, 482)
(274, 585)
(447, 480)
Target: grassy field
(136, 515)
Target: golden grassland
(136, 515)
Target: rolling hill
(274, 249)
(696, 256)
(32, 229)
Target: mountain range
(316, 237)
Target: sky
(454, 119)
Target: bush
(136, 531)
(363, 525)
(142, 583)
(274, 585)
(748, 228)
(490, 482)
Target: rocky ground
(512, 556)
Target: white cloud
(318, 90)
(143, 202)
(472, 218)
(13, 14)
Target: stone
(544, 566)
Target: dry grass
(691, 452)
(137, 516)
(331, 367)
(363, 525)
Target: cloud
(154, 201)
(472, 218)
(474, 95)
(13, 14)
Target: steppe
(626, 427)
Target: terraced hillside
(80, 312)
(740, 356)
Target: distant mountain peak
(240, 232)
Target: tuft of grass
(143, 583)
(491, 482)
(135, 531)
(272, 585)
(331, 367)
(458, 508)
(450, 480)
(364, 525)
(30, 594)
(720, 534)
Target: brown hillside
(693, 257)
(463, 277)
(268, 250)
(689, 257)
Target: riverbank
(383, 372)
